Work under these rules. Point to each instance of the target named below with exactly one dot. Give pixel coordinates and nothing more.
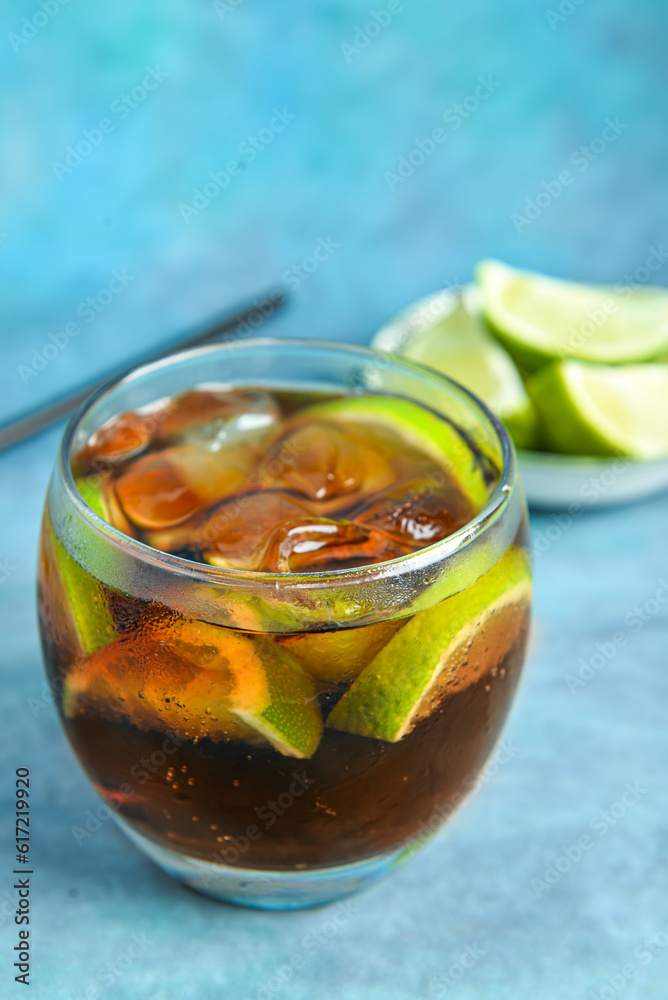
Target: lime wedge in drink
(418, 427)
(540, 319)
(261, 683)
(460, 346)
(603, 410)
(340, 655)
(197, 680)
(98, 492)
(154, 688)
(439, 652)
(84, 600)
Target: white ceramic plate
(551, 481)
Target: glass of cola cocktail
(284, 598)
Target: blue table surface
(480, 913)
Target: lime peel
(460, 346)
(87, 605)
(541, 319)
(602, 410)
(428, 659)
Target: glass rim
(206, 573)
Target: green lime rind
(386, 699)
(540, 319)
(602, 410)
(460, 346)
(524, 427)
(87, 603)
(89, 488)
(419, 427)
(340, 655)
(270, 693)
(246, 611)
(291, 721)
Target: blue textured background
(324, 176)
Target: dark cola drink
(273, 735)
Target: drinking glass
(234, 817)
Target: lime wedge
(541, 319)
(90, 489)
(196, 680)
(460, 346)
(153, 688)
(269, 691)
(438, 652)
(603, 410)
(85, 600)
(340, 655)
(99, 494)
(419, 427)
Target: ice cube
(240, 532)
(322, 462)
(320, 544)
(235, 534)
(418, 513)
(121, 438)
(164, 488)
(215, 419)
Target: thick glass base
(262, 889)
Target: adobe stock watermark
(141, 771)
(454, 117)
(7, 568)
(581, 159)
(364, 34)
(441, 984)
(565, 10)
(652, 947)
(87, 310)
(120, 108)
(267, 815)
(503, 753)
(597, 317)
(437, 305)
(247, 151)
(591, 492)
(600, 823)
(296, 275)
(31, 25)
(311, 944)
(112, 972)
(635, 620)
(224, 7)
